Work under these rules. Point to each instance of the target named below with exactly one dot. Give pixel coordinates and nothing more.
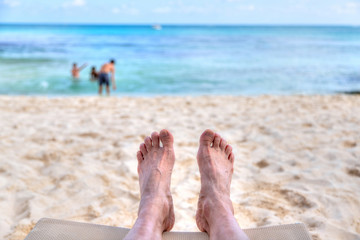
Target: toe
(207, 138)
(217, 140)
(143, 149)
(139, 156)
(232, 157)
(148, 144)
(223, 144)
(228, 150)
(166, 138)
(155, 139)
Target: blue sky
(182, 11)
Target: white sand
(297, 159)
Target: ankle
(218, 208)
(143, 229)
(150, 222)
(153, 211)
(226, 225)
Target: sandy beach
(297, 159)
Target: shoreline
(73, 158)
(344, 93)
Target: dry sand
(297, 159)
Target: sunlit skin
(75, 71)
(215, 213)
(155, 164)
(108, 68)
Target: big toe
(166, 138)
(207, 137)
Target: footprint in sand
(262, 164)
(353, 172)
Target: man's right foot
(155, 165)
(215, 160)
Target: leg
(215, 214)
(100, 89)
(101, 82)
(155, 164)
(107, 82)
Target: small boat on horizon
(157, 27)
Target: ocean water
(181, 60)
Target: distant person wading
(94, 75)
(75, 71)
(105, 70)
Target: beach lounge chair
(52, 229)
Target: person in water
(215, 213)
(105, 70)
(75, 71)
(94, 75)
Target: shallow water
(181, 60)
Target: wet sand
(297, 159)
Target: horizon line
(186, 24)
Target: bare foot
(215, 214)
(155, 164)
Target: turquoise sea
(181, 60)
